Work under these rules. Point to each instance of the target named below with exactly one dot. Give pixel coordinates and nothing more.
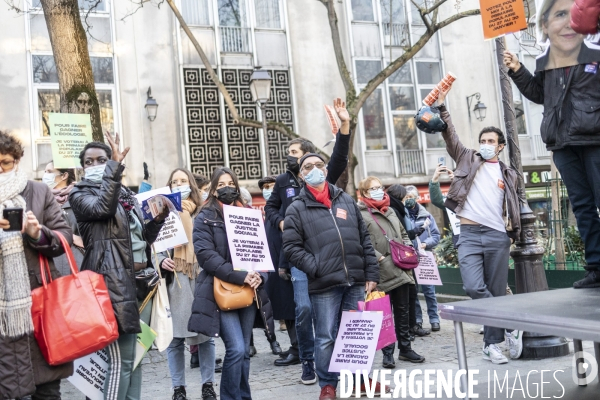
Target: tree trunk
(69, 46)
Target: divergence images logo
(581, 375)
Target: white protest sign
(427, 273)
(247, 239)
(69, 133)
(454, 222)
(172, 234)
(89, 374)
(356, 341)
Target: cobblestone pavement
(270, 382)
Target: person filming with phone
(30, 223)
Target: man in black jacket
(571, 130)
(326, 238)
(287, 188)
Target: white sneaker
(514, 341)
(494, 354)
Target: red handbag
(403, 256)
(72, 315)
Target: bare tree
(356, 99)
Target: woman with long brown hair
(182, 269)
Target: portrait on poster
(562, 46)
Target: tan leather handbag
(230, 296)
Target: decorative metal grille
(205, 130)
(205, 125)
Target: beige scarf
(184, 256)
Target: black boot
(179, 393)
(276, 348)
(419, 331)
(591, 280)
(411, 356)
(388, 356)
(194, 361)
(208, 393)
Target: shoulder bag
(230, 296)
(72, 315)
(403, 256)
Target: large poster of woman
(563, 47)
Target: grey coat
(390, 276)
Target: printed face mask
(227, 195)
(94, 174)
(487, 151)
(292, 164)
(315, 177)
(377, 194)
(410, 203)
(267, 193)
(185, 191)
(50, 179)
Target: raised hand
(343, 115)
(511, 61)
(117, 155)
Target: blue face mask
(204, 196)
(267, 193)
(315, 177)
(377, 194)
(94, 174)
(487, 151)
(185, 191)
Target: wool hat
(307, 155)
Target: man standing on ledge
(484, 194)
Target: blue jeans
(579, 167)
(176, 358)
(328, 307)
(304, 316)
(432, 306)
(236, 329)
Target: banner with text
(356, 341)
(501, 17)
(69, 133)
(247, 239)
(427, 273)
(89, 374)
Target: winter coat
(61, 262)
(571, 104)
(584, 16)
(390, 276)
(280, 291)
(22, 365)
(212, 252)
(104, 227)
(468, 162)
(287, 187)
(429, 235)
(332, 246)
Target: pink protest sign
(247, 239)
(427, 273)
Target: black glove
(285, 274)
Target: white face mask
(7, 176)
(94, 174)
(487, 151)
(50, 179)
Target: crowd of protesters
(329, 252)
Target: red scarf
(322, 196)
(382, 205)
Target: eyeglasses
(375, 188)
(309, 167)
(179, 182)
(7, 165)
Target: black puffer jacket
(332, 246)
(571, 104)
(104, 227)
(212, 252)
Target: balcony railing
(411, 162)
(235, 39)
(395, 34)
(539, 147)
(528, 35)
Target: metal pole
(530, 275)
(264, 146)
(462, 357)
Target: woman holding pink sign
(384, 225)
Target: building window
(234, 26)
(196, 12)
(374, 122)
(366, 70)
(97, 5)
(267, 14)
(428, 72)
(362, 10)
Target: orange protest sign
(501, 17)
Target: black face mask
(227, 195)
(292, 164)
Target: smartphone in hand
(14, 217)
(442, 160)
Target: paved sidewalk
(269, 382)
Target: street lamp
(151, 106)
(260, 86)
(479, 110)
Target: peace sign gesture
(117, 155)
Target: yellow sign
(69, 133)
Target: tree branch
(435, 6)
(423, 14)
(456, 17)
